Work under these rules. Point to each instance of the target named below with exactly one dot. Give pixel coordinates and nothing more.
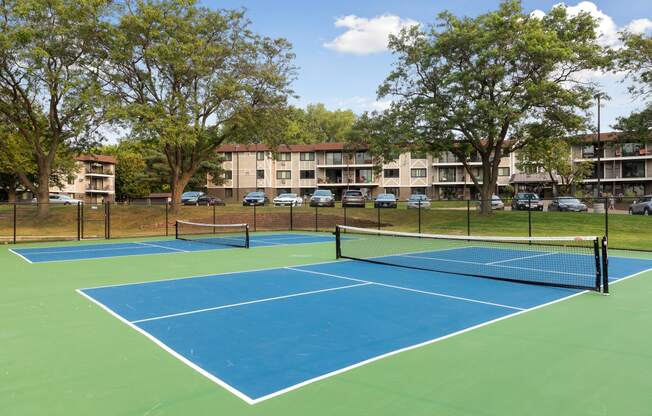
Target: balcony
(99, 172)
(99, 189)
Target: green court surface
(63, 355)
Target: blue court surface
(263, 333)
(104, 250)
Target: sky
(341, 51)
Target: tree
(130, 169)
(472, 85)
(186, 79)
(49, 90)
(552, 155)
(636, 59)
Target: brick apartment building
(93, 181)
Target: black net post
(79, 221)
(338, 249)
(468, 217)
(247, 236)
(605, 267)
(598, 266)
(176, 230)
(14, 225)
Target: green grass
(62, 355)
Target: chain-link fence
(626, 221)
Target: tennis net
(233, 235)
(569, 262)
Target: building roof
(97, 158)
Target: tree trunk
(11, 194)
(177, 185)
(43, 192)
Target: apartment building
(624, 168)
(304, 168)
(93, 181)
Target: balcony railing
(99, 171)
(99, 188)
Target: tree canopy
(474, 85)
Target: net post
(605, 267)
(176, 230)
(247, 236)
(14, 225)
(79, 221)
(598, 265)
(338, 248)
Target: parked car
(191, 197)
(527, 200)
(385, 201)
(255, 198)
(418, 201)
(287, 200)
(497, 204)
(642, 206)
(209, 200)
(567, 203)
(61, 199)
(353, 198)
(322, 198)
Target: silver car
(642, 206)
(418, 201)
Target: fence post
(378, 210)
(15, 218)
(79, 221)
(468, 217)
(606, 217)
(529, 216)
(419, 216)
(167, 220)
(214, 217)
(108, 220)
(82, 220)
(254, 217)
(316, 218)
(291, 217)
(344, 208)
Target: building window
(418, 173)
(333, 158)
(307, 156)
(590, 151)
(260, 155)
(634, 169)
(71, 179)
(260, 174)
(390, 173)
(393, 191)
(307, 174)
(364, 176)
(283, 174)
(446, 174)
(228, 192)
(227, 156)
(418, 155)
(228, 175)
(631, 149)
(478, 173)
(363, 158)
(503, 171)
(284, 156)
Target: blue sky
(340, 44)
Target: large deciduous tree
(187, 79)
(472, 85)
(49, 91)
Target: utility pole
(598, 170)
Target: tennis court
(399, 324)
(140, 248)
(263, 333)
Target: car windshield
(390, 197)
(322, 193)
(569, 201)
(190, 194)
(287, 196)
(353, 193)
(255, 195)
(418, 197)
(495, 198)
(527, 196)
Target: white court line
(521, 258)
(251, 401)
(251, 302)
(20, 255)
(443, 295)
(497, 265)
(82, 250)
(163, 247)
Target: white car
(61, 199)
(418, 201)
(287, 200)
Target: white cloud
(639, 26)
(364, 36)
(360, 104)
